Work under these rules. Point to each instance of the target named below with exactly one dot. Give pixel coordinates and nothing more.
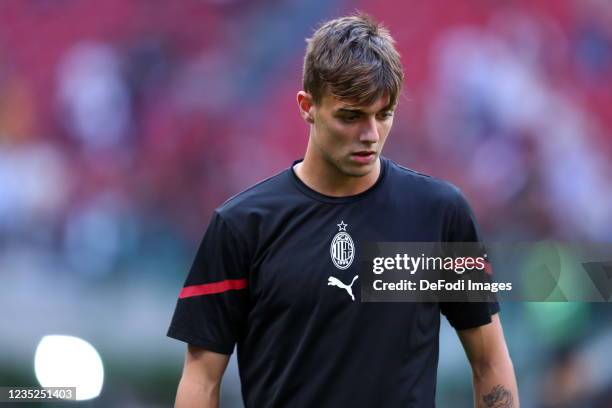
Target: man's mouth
(364, 156)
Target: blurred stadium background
(124, 123)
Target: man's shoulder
(425, 186)
(268, 193)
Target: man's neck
(326, 179)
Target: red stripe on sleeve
(488, 268)
(211, 288)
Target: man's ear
(306, 106)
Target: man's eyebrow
(360, 111)
(349, 110)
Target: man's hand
(493, 373)
(201, 379)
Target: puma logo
(336, 282)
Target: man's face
(350, 138)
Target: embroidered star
(342, 226)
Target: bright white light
(66, 361)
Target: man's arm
(201, 379)
(493, 373)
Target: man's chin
(358, 171)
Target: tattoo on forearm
(499, 397)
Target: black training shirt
(261, 280)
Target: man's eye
(386, 115)
(349, 119)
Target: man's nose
(369, 132)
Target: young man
(274, 273)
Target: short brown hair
(354, 58)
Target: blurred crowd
(123, 124)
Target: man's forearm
(200, 383)
(192, 394)
(495, 386)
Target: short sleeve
(462, 227)
(212, 306)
